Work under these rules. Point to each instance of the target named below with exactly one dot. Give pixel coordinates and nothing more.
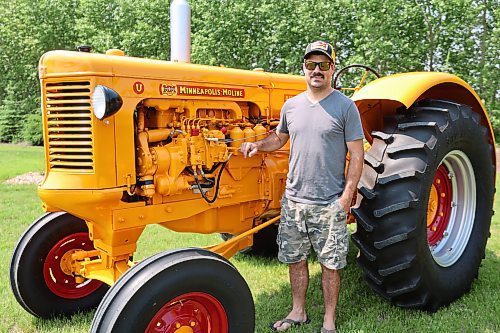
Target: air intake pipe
(180, 31)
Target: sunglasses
(323, 65)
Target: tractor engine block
(177, 142)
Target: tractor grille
(69, 126)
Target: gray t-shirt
(318, 134)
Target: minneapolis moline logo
(167, 89)
(210, 91)
(184, 90)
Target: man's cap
(321, 48)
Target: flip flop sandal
(291, 322)
(324, 330)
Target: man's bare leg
(299, 281)
(330, 279)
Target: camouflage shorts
(322, 226)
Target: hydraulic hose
(216, 185)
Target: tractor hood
(72, 64)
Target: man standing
(323, 126)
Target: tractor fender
(407, 88)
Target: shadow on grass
(272, 306)
(360, 310)
(79, 322)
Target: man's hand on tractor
(248, 149)
(272, 142)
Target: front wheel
(427, 195)
(189, 290)
(38, 279)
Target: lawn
(360, 310)
(17, 160)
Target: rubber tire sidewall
(27, 264)
(449, 283)
(141, 292)
(395, 188)
(264, 242)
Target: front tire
(427, 196)
(189, 290)
(37, 280)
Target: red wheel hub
(439, 208)
(195, 312)
(60, 283)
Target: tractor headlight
(105, 102)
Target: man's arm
(354, 170)
(272, 142)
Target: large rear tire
(36, 277)
(189, 290)
(264, 242)
(427, 194)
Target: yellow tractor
(132, 142)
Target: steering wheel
(361, 81)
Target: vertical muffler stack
(180, 31)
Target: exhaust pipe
(180, 31)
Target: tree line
(456, 36)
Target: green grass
(18, 159)
(359, 311)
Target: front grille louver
(69, 126)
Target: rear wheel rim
(439, 208)
(193, 312)
(450, 230)
(60, 283)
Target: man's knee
(298, 265)
(330, 272)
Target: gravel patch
(27, 178)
